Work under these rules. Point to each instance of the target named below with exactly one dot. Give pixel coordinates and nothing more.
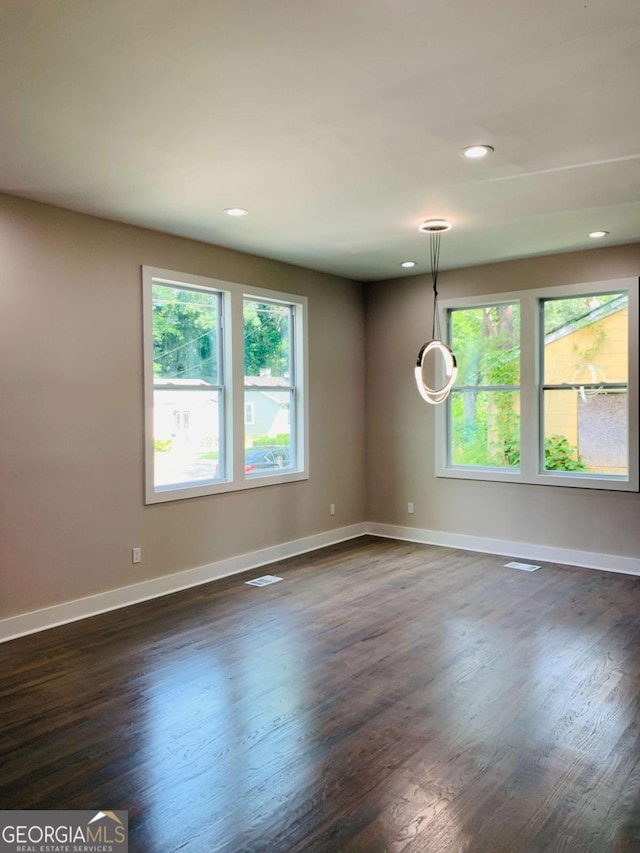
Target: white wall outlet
(410, 507)
(332, 509)
(136, 555)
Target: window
(224, 368)
(188, 385)
(547, 387)
(182, 420)
(269, 378)
(584, 389)
(485, 401)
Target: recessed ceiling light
(435, 225)
(236, 211)
(596, 235)
(475, 152)
(408, 264)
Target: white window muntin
(531, 428)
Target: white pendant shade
(436, 395)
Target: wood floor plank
(385, 698)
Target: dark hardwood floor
(384, 697)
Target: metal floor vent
(524, 567)
(265, 580)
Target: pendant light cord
(434, 246)
(435, 396)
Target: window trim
(232, 385)
(531, 430)
(291, 388)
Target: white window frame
(291, 387)
(531, 427)
(232, 404)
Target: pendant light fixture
(434, 228)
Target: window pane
(586, 340)
(486, 343)
(485, 428)
(185, 335)
(586, 431)
(268, 445)
(186, 436)
(267, 343)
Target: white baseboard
(503, 547)
(81, 608)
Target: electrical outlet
(332, 509)
(136, 555)
(410, 507)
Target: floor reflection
(222, 736)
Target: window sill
(220, 487)
(607, 482)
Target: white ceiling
(336, 123)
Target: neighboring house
(266, 407)
(186, 411)
(590, 350)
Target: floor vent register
(265, 580)
(524, 567)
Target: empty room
(319, 426)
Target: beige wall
(400, 426)
(71, 415)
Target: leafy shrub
(283, 439)
(162, 445)
(559, 455)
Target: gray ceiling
(336, 123)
